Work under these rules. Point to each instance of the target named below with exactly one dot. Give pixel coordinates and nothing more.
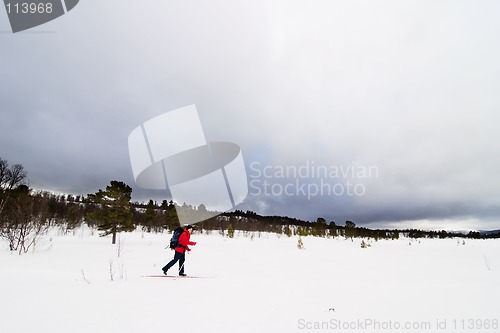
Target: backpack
(174, 241)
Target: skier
(180, 251)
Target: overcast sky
(410, 88)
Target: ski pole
(180, 268)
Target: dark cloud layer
(409, 87)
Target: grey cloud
(409, 87)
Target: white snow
(259, 284)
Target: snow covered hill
(79, 282)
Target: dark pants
(180, 257)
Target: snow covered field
(81, 283)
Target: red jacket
(184, 242)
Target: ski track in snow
(262, 284)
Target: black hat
(189, 226)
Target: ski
(176, 276)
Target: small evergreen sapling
(230, 231)
(300, 245)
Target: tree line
(250, 222)
(26, 214)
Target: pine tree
(350, 229)
(114, 213)
(333, 229)
(171, 219)
(149, 216)
(319, 227)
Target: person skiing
(180, 251)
